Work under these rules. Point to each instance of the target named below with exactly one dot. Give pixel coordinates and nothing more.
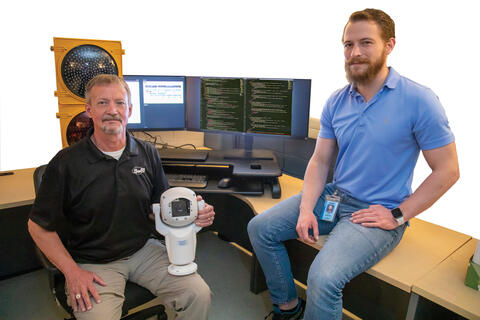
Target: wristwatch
(398, 215)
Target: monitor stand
(242, 154)
(247, 153)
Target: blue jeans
(349, 250)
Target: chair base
(158, 310)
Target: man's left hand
(205, 216)
(375, 216)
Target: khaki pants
(188, 295)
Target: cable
(164, 145)
(186, 144)
(148, 134)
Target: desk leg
(412, 306)
(257, 277)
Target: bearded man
(378, 124)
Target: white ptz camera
(174, 219)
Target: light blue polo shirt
(379, 141)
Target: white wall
(437, 46)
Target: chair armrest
(44, 261)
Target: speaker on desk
(76, 62)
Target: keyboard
(187, 180)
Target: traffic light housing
(76, 62)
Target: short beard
(367, 76)
(112, 131)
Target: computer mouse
(224, 182)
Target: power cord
(165, 145)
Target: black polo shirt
(99, 206)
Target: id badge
(330, 207)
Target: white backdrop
(437, 46)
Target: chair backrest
(54, 275)
(38, 176)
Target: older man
(90, 217)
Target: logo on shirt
(138, 170)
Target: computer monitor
(249, 106)
(158, 102)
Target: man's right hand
(79, 282)
(306, 221)
(80, 285)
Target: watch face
(397, 213)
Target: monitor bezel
(195, 95)
(134, 128)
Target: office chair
(135, 295)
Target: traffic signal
(76, 62)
